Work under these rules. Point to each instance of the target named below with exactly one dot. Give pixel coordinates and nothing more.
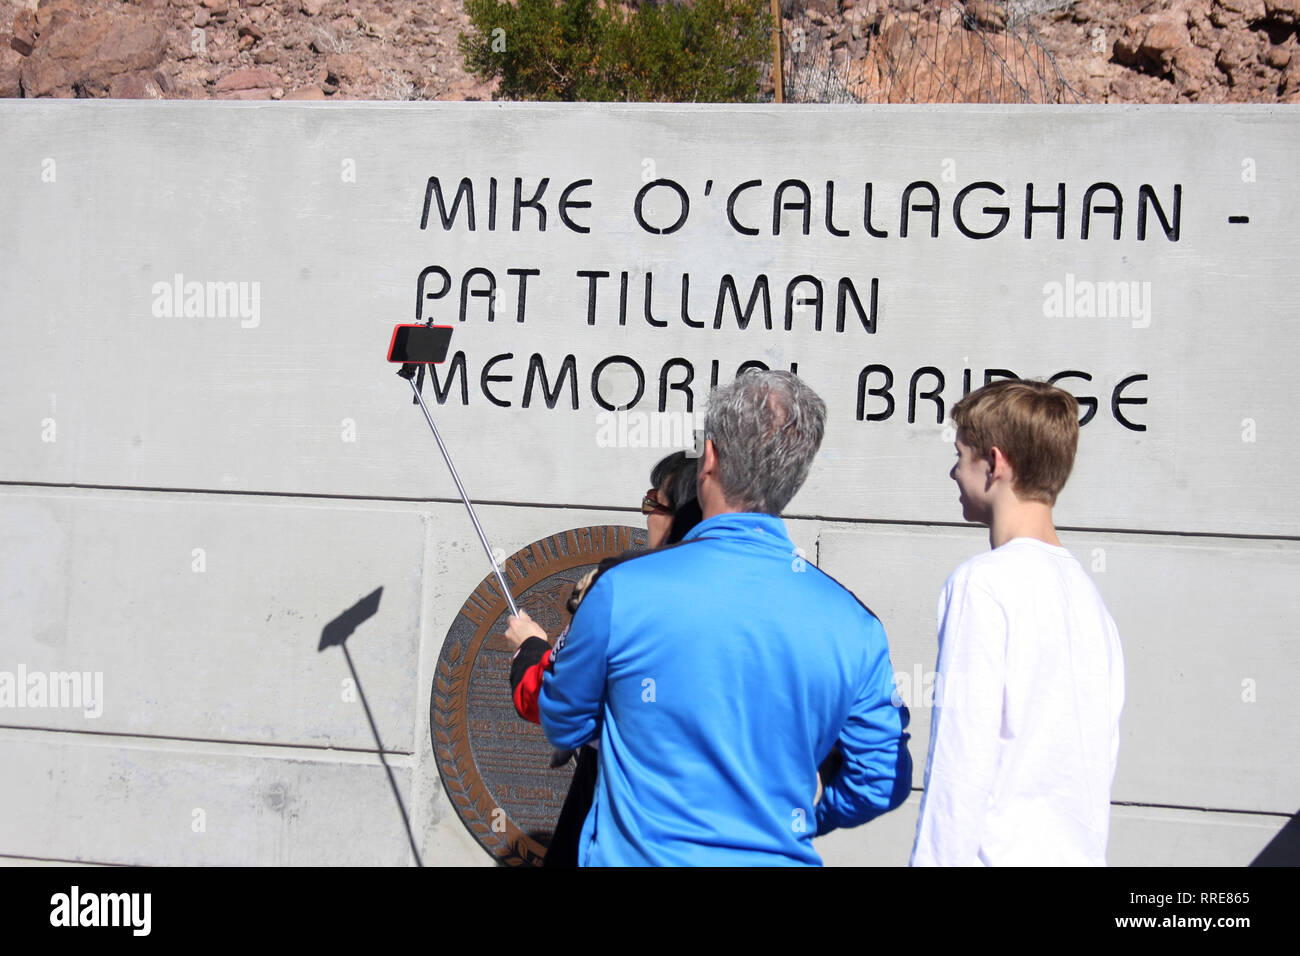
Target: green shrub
(714, 51)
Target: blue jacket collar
(745, 524)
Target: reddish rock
(10, 62)
(55, 12)
(1083, 11)
(1194, 72)
(921, 61)
(22, 44)
(341, 67)
(23, 40)
(1284, 11)
(305, 93)
(263, 93)
(87, 54)
(1236, 53)
(249, 78)
(1291, 77)
(74, 40)
(130, 44)
(1250, 9)
(862, 77)
(987, 15)
(1236, 14)
(136, 86)
(1123, 90)
(1166, 36)
(1153, 44)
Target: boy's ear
(999, 466)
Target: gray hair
(766, 427)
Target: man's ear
(708, 460)
(707, 468)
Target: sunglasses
(651, 505)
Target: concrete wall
(192, 487)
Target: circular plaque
(495, 766)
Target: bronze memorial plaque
(494, 765)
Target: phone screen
(419, 344)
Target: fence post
(778, 78)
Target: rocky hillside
(1095, 51)
(1178, 51)
(235, 49)
(1162, 51)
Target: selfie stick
(408, 372)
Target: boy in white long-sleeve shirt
(1025, 730)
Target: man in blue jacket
(717, 674)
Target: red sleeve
(529, 687)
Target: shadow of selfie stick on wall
(336, 634)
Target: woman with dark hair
(671, 510)
(670, 507)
